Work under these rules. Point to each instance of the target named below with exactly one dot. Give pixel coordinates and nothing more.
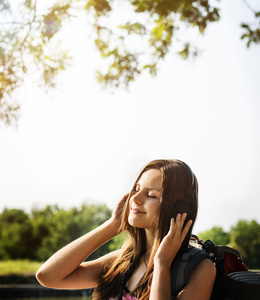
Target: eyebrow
(150, 188)
(154, 189)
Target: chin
(130, 221)
(133, 223)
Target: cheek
(157, 209)
(155, 218)
(155, 212)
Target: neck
(149, 239)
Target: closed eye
(136, 189)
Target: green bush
(244, 236)
(36, 236)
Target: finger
(123, 201)
(183, 218)
(180, 221)
(186, 230)
(172, 229)
(179, 226)
(124, 197)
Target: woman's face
(145, 202)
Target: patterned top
(126, 295)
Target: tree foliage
(251, 31)
(29, 39)
(217, 235)
(244, 236)
(38, 235)
(25, 45)
(15, 233)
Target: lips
(137, 211)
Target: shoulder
(205, 267)
(201, 282)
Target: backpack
(227, 260)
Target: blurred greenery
(19, 267)
(244, 236)
(217, 235)
(35, 236)
(30, 40)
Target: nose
(138, 198)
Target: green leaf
(136, 28)
(101, 7)
(185, 52)
(244, 25)
(244, 36)
(28, 4)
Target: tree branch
(29, 30)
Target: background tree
(38, 235)
(55, 227)
(217, 235)
(15, 234)
(29, 39)
(245, 236)
(118, 241)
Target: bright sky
(82, 143)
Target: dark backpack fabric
(182, 268)
(226, 260)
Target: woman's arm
(199, 287)
(169, 247)
(201, 282)
(202, 279)
(66, 269)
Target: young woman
(158, 214)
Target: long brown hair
(176, 179)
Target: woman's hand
(172, 242)
(118, 211)
(169, 247)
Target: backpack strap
(182, 268)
